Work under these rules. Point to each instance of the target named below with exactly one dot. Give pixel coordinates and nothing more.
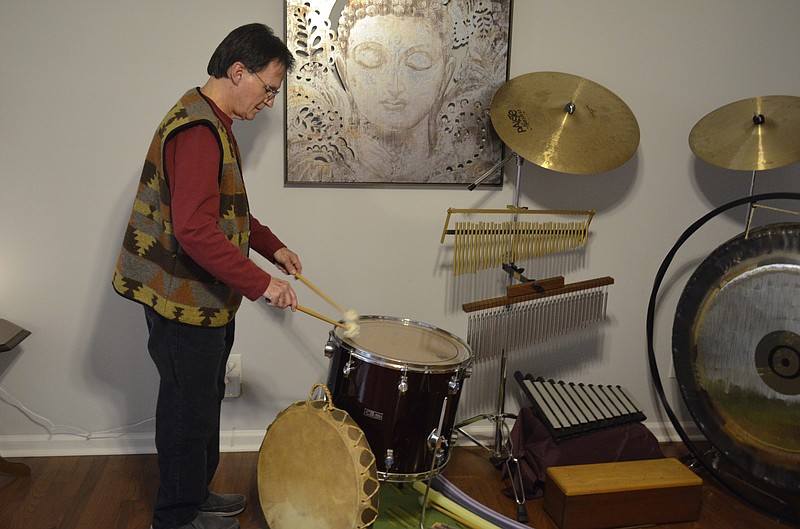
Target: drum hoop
(382, 361)
(399, 477)
(411, 367)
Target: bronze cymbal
(750, 135)
(564, 122)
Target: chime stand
(502, 451)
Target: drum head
(400, 342)
(736, 351)
(315, 469)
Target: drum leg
(519, 496)
(436, 440)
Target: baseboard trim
(230, 441)
(70, 445)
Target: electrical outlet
(233, 377)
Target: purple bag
(536, 450)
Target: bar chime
(533, 312)
(479, 244)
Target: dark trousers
(191, 364)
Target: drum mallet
(350, 316)
(321, 317)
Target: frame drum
(315, 469)
(400, 381)
(736, 351)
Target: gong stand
(758, 497)
(754, 206)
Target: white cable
(53, 428)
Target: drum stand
(503, 449)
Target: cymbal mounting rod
(569, 108)
(758, 119)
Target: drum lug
(348, 368)
(389, 459)
(330, 346)
(433, 439)
(402, 386)
(454, 384)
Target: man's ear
(236, 72)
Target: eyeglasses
(270, 92)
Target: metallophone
(569, 409)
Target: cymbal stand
(750, 210)
(503, 451)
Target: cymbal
(564, 122)
(750, 135)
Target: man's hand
(288, 262)
(280, 294)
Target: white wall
(85, 82)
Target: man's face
(257, 91)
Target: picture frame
(394, 92)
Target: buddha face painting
(393, 91)
(395, 70)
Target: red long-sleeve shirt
(193, 161)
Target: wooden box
(622, 494)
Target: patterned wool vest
(152, 267)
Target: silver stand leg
(436, 441)
(749, 218)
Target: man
(185, 258)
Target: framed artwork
(394, 91)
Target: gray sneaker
(223, 504)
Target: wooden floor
(90, 492)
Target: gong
(736, 352)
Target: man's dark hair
(254, 45)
